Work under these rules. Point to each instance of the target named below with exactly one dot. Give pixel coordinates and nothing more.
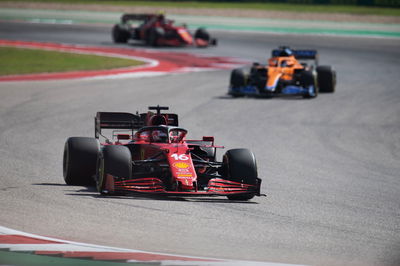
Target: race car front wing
(288, 90)
(152, 185)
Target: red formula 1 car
(149, 154)
(156, 30)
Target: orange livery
(286, 73)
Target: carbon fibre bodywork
(286, 74)
(156, 30)
(149, 154)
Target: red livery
(156, 30)
(149, 153)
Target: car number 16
(182, 157)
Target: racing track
(330, 165)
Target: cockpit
(161, 134)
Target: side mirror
(208, 138)
(123, 136)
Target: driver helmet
(159, 136)
(161, 16)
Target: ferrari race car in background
(285, 74)
(156, 30)
(149, 153)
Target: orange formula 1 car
(149, 154)
(156, 30)
(287, 73)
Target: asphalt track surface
(330, 165)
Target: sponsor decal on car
(185, 175)
(181, 165)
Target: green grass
(362, 10)
(29, 259)
(27, 61)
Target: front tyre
(115, 160)
(154, 35)
(307, 81)
(240, 166)
(237, 81)
(326, 79)
(119, 35)
(79, 160)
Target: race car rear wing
(115, 120)
(127, 17)
(298, 54)
(170, 119)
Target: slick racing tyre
(79, 160)
(237, 80)
(155, 34)
(201, 33)
(240, 166)
(119, 35)
(326, 79)
(307, 80)
(115, 160)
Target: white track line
(70, 246)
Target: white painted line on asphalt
(70, 246)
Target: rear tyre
(240, 166)
(79, 160)
(237, 80)
(201, 33)
(119, 35)
(116, 161)
(326, 79)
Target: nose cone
(186, 183)
(185, 35)
(185, 175)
